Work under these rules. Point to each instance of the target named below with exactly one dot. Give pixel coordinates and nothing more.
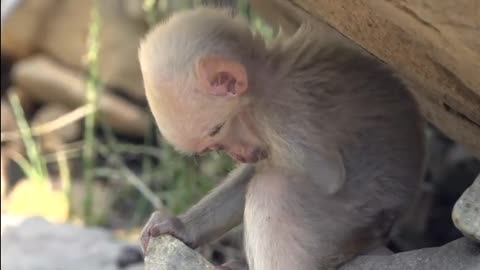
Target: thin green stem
(37, 163)
(92, 98)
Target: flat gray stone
(168, 253)
(36, 244)
(461, 254)
(466, 213)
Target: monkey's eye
(216, 130)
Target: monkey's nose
(239, 158)
(216, 147)
(204, 151)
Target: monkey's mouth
(255, 156)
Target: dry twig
(51, 126)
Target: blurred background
(82, 163)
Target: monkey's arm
(221, 210)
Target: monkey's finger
(144, 239)
(172, 226)
(155, 217)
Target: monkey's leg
(222, 209)
(215, 214)
(289, 224)
(277, 225)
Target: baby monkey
(329, 140)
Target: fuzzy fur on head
(168, 57)
(171, 50)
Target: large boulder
(37, 244)
(167, 253)
(61, 28)
(460, 254)
(433, 44)
(47, 81)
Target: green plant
(93, 94)
(182, 179)
(36, 195)
(35, 167)
(185, 183)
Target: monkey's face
(237, 137)
(202, 124)
(208, 113)
(224, 84)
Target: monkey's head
(197, 77)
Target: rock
(50, 82)
(21, 31)
(60, 29)
(38, 244)
(460, 254)
(466, 212)
(433, 44)
(168, 253)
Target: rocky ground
(35, 243)
(38, 244)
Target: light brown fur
(343, 137)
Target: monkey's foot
(159, 224)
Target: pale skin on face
(227, 128)
(236, 137)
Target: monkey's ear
(219, 76)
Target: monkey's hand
(160, 224)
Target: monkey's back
(384, 152)
(358, 104)
(388, 149)
(338, 95)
